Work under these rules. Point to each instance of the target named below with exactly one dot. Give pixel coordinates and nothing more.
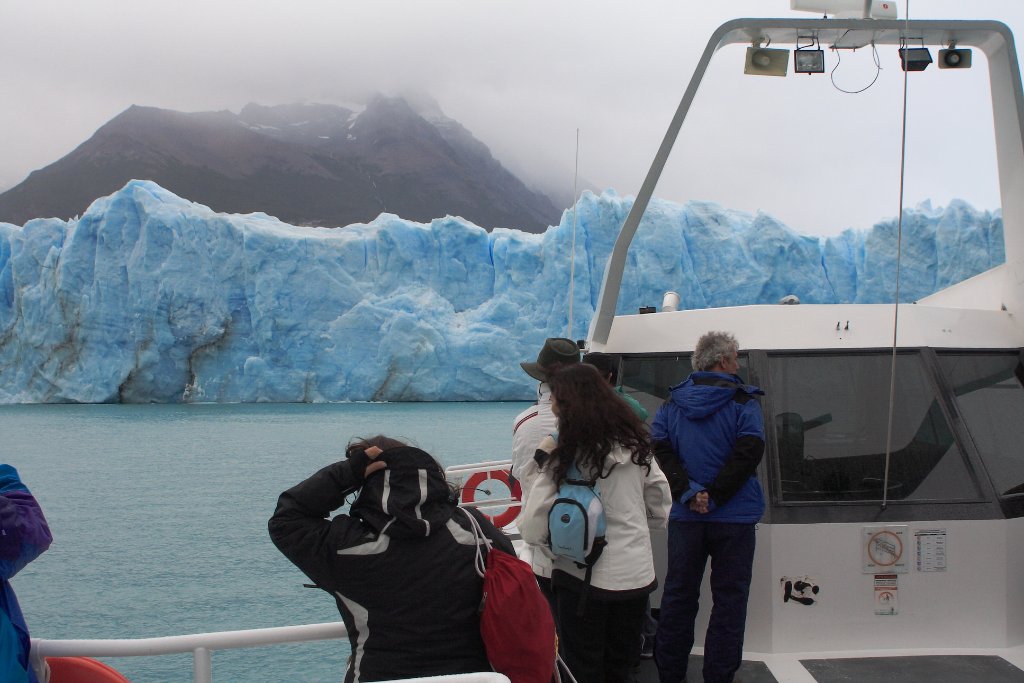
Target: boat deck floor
(906, 669)
(750, 672)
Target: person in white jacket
(609, 444)
(529, 429)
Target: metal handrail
(202, 645)
(462, 470)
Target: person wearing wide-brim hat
(531, 427)
(556, 352)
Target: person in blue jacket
(24, 535)
(709, 439)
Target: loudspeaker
(915, 58)
(762, 61)
(954, 59)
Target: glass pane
(991, 400)
(653, 375)
(831, 417)
(648, 378)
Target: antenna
(896, 302)
(572, 255)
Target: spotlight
(763, 61)
(809, 61)
(954, 59)
(915, 58)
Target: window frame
(1011, 504)
(988, 505)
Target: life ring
(82, 670)
(516, 491)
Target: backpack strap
(482, 542)
(581, 606)
(575, 475)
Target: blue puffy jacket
(713, 425)
(24, 535)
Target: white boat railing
(460, 471)
(202, 646)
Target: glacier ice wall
(151, 298)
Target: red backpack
(515, 620)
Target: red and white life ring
(82, 670)
(516, 491)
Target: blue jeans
(731, 549)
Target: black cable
(878, 70)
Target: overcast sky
(523, 76)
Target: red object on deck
(504, 476)
(82, 670)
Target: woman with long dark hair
(600, 617)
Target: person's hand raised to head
(375, 465)
(364, 461)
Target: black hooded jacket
(400, 564)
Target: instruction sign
(931, 550)
(883, 549)
(886, 594)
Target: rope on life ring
(516, 491)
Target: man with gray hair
(709, 439)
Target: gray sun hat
(557, 351)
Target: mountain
(149, 297)
(306, 164)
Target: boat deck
(750, 672)
(906, 669)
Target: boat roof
(818, 327)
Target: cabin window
(990, 398)
(831, 415)
(653, 375)
(648, 378)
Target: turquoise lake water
(159, 517)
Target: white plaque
(886, 594)
(883, 549)
(931, 550)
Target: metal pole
(202, 665)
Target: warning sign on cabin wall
(883, 549)
(886, 594)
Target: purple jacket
(24, 535)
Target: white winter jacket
(529, 429)
(635, 501)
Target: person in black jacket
(399, 564)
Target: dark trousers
(549, 593)
(731, 549)
(601, 644)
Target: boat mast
(572, 255)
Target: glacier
(148, 297)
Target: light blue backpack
(576, 523)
